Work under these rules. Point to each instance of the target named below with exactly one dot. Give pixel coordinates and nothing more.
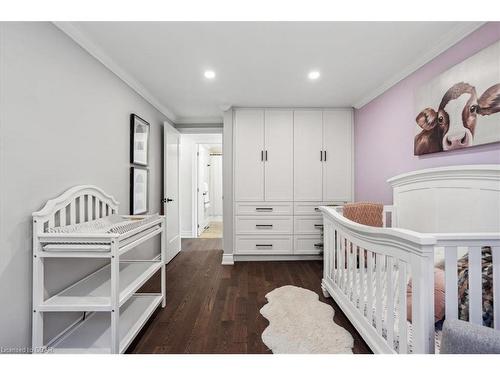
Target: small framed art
(139, 190)
(139, 140)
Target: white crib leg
(163, 249)
(324, 290)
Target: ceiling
(262, 63)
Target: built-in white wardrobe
(286, 163)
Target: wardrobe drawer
(307, 245)
(264, 208)
(263, 225)
(263, 245)
(312, 208)
(308, 225)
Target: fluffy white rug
(300, 324)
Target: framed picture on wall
(139, 190)
(139, 140)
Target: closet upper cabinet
(337, 155)
(308, 155)
(249, 155)
(278, 155)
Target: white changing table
(113, 312)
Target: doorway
(209, 191)
(201, 167)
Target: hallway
(215, 309)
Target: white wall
(64, 121)
(187, 173)
(216, 185)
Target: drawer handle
(263, 208)
(264, 245)
(263, 225)
(316, 209)
(319, 226)
(318, 245)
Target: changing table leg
(115, 295)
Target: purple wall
(384, 128)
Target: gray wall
(64, 121)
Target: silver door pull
(264, 245)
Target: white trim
(200, 120)
(70, 29)
(478, 171)
(186, 234)
(450, 39)
(264, 258)
(227, 260)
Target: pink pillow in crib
(439, 303)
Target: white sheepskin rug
(300, 324)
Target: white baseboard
(227, 259)
(187, 234)
(271, 258)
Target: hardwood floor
(215, 309)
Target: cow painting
(461, 107)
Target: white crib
(437, 213)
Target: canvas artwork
(460, 107)
(139, 187)
(139, 140)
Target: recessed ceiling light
(209, 74)
(313, 75)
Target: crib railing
(368, 272)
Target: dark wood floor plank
(214, 309)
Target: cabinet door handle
(263, 208)
(263, 225)
(316, 209)
(262, 156)
(318, 245)
(266, 155)
(321, 156)
(319, 226)
(324, 159)
(264, 245)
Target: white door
(307, 160)
(216, 185)
(249, 155)
(337, 144)
(278, 155)
(171, 190)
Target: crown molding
(449, 39)
(199, 120)
(83, 41)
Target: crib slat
(72, 213)
(362, 280)
(369, 299)
(81, 213)
(89, 208)
(355, 273)
(378, 291)
(451, 282)
(338, 259)
(62, 217)
(329, 243)
(390, 302)
(51, 221)
(475, 286)
(495, 252)
(403, 348)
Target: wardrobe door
(337, 143)
(249, 155)
(308, 146)
(278, 155)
